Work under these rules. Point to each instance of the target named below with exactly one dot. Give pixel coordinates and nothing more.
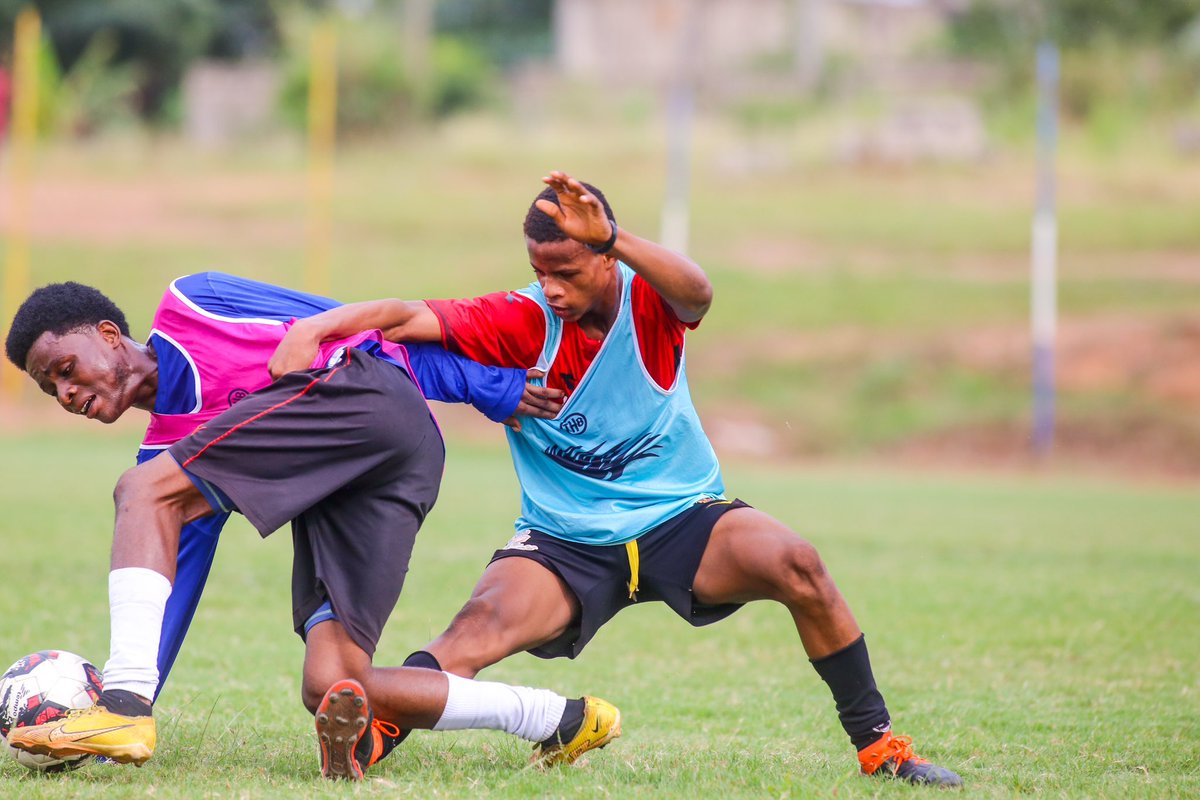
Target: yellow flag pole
(322, 128)
(27, 34)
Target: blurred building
(639, 41)
(227, 100)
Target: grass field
(1038, 632)
(1040, 635)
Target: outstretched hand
(579, 214)
(537, 401)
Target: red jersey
(506, 329)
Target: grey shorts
(351, 456)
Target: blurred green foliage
(153, 41)
(1120, 60)
(998, 27)
(508, 31)
(375, 90)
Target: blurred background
(860, 178)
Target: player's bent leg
(422, 697)
(751, 556)
(339, 678)
(518, 604)
(406, 696)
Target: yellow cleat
(601, 724)
(90, 731)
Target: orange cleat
(893, 757)
(342, 719)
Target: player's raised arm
(580, 215)
(399, 320)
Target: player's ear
(109, 332)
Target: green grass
(1040, 634)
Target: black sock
(126, 703)
(860, 706)
(568, 726)
(422, 660)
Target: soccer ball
(41, 687)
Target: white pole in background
(1044, 300)
(681, 112)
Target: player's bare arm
(680, 281)
(398, 320)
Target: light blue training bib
(623, 456)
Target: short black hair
(541, 228)
(58, 308)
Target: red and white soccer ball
(41, 687)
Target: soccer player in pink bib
(346, 450)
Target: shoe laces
(891, 751)
(73, 713)
(385, 728)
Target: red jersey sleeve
(503, 329)
(660, 332)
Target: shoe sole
(136, 754)
(341, 720)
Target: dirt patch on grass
(1129, 394)
(1144, 447)
(777, 256)
(1158, 359)
(220, 208)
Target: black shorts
(599, 575)
(351, 456)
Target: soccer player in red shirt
(622, 497)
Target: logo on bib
(574, 424)
(518, 542)
(237, 395)
(609, 464)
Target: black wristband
(602, 249)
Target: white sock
(137, 598)
(532, 714)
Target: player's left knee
(310, 695)
(144, 486)
(803, 578)
(136, 487)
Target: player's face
(576, 281)
(86, 371)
